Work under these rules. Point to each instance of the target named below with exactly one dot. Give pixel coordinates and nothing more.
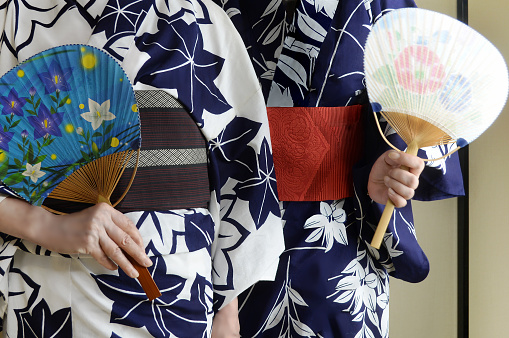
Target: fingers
(397, 200)
(114, 253)
(414, 163)
(111, 236)
(102, 258)
(403, 178)
(397, 192)
(127, 225)
(117, 244)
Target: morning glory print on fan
(61, 109)
(434, 79)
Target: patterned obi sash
(172, 170)
(314, 150)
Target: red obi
(314, 150)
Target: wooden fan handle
(145, 278)
(377, 239)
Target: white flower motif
(98, 113)
(329, 224)
(437, 152)
(279, 97)
(34, 172)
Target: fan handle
(376, 242)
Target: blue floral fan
(69, 124)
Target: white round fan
(434, 79)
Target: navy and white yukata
(203, 257)
(331, 282)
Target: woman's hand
(226, 321)
(100, 231)
(388, 180)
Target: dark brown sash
(172, 169)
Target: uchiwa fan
(434, 79)
(70, 124)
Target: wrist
(37, 225)
(22, 220)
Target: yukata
(179, 55)
(330, 281)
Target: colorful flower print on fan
(12, 103)
(62, 109)
(419, 70)
(457, 94)
(45, 123)
(98, 113)
(55, 79)
(5, 137)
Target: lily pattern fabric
(330, 281)
(203, 257)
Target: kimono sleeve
(31, 27)
(8, 248)
(401, 253)
(196, 54)
(248, 237)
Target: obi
(314, 150)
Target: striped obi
(172, 170)
(314, 150)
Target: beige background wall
(489, 201)
(428, 309)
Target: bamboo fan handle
(376, 242)
(145, 278)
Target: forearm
(100, 231)
(20, 219)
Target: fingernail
(134, 273)
(394, 155)
(147, 262)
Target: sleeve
(31, 27)
(441, 179)
(196, 54)
(249, 237)
(401, 253)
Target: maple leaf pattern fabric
(202, 256)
